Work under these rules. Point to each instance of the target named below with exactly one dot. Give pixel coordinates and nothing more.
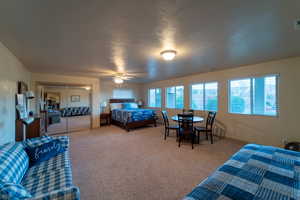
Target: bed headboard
(121, 100)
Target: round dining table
(196, 119)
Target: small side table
(106, 118)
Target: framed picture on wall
(75, 98)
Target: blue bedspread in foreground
(132, 115)
(255, 172)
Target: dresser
(32, 130)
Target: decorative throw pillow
(12, 191)
(126, 105)
(45, 151)
(114, 106)
(34, 142)
(134, 105)
(130, 105)
(64, 139)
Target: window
(154, 98)
(257, 96)
(204, 96)
(240, 96)
(123, 94)
(174, 97)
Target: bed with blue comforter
(132, 114)
(133, 117)
(256, 172)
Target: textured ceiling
(94, 37)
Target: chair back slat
(165, 118)
(185, 122)
(187, 111)
(210, 120)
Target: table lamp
(140, 103)
(103, 106)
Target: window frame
(251, 95)
(166, 98)
(155, 97)
(204, 83)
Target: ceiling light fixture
(118, 80)
(168, 54)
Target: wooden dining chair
(208, 127)
(186, 128)
(187, 111)
(168, 127)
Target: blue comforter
(132, 115)
(256, 172)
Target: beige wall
(254, 129)
(108, 86)
(11, 71)
(65, 96)
(74, 80)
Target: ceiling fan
(119, 77)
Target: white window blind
(154, 97)
(257, 96)
(175, 97)
(204, 96)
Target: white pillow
(115, 106)
(134, 105)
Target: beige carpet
(112, 164)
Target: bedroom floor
(112, 164)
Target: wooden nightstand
(105, 119)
